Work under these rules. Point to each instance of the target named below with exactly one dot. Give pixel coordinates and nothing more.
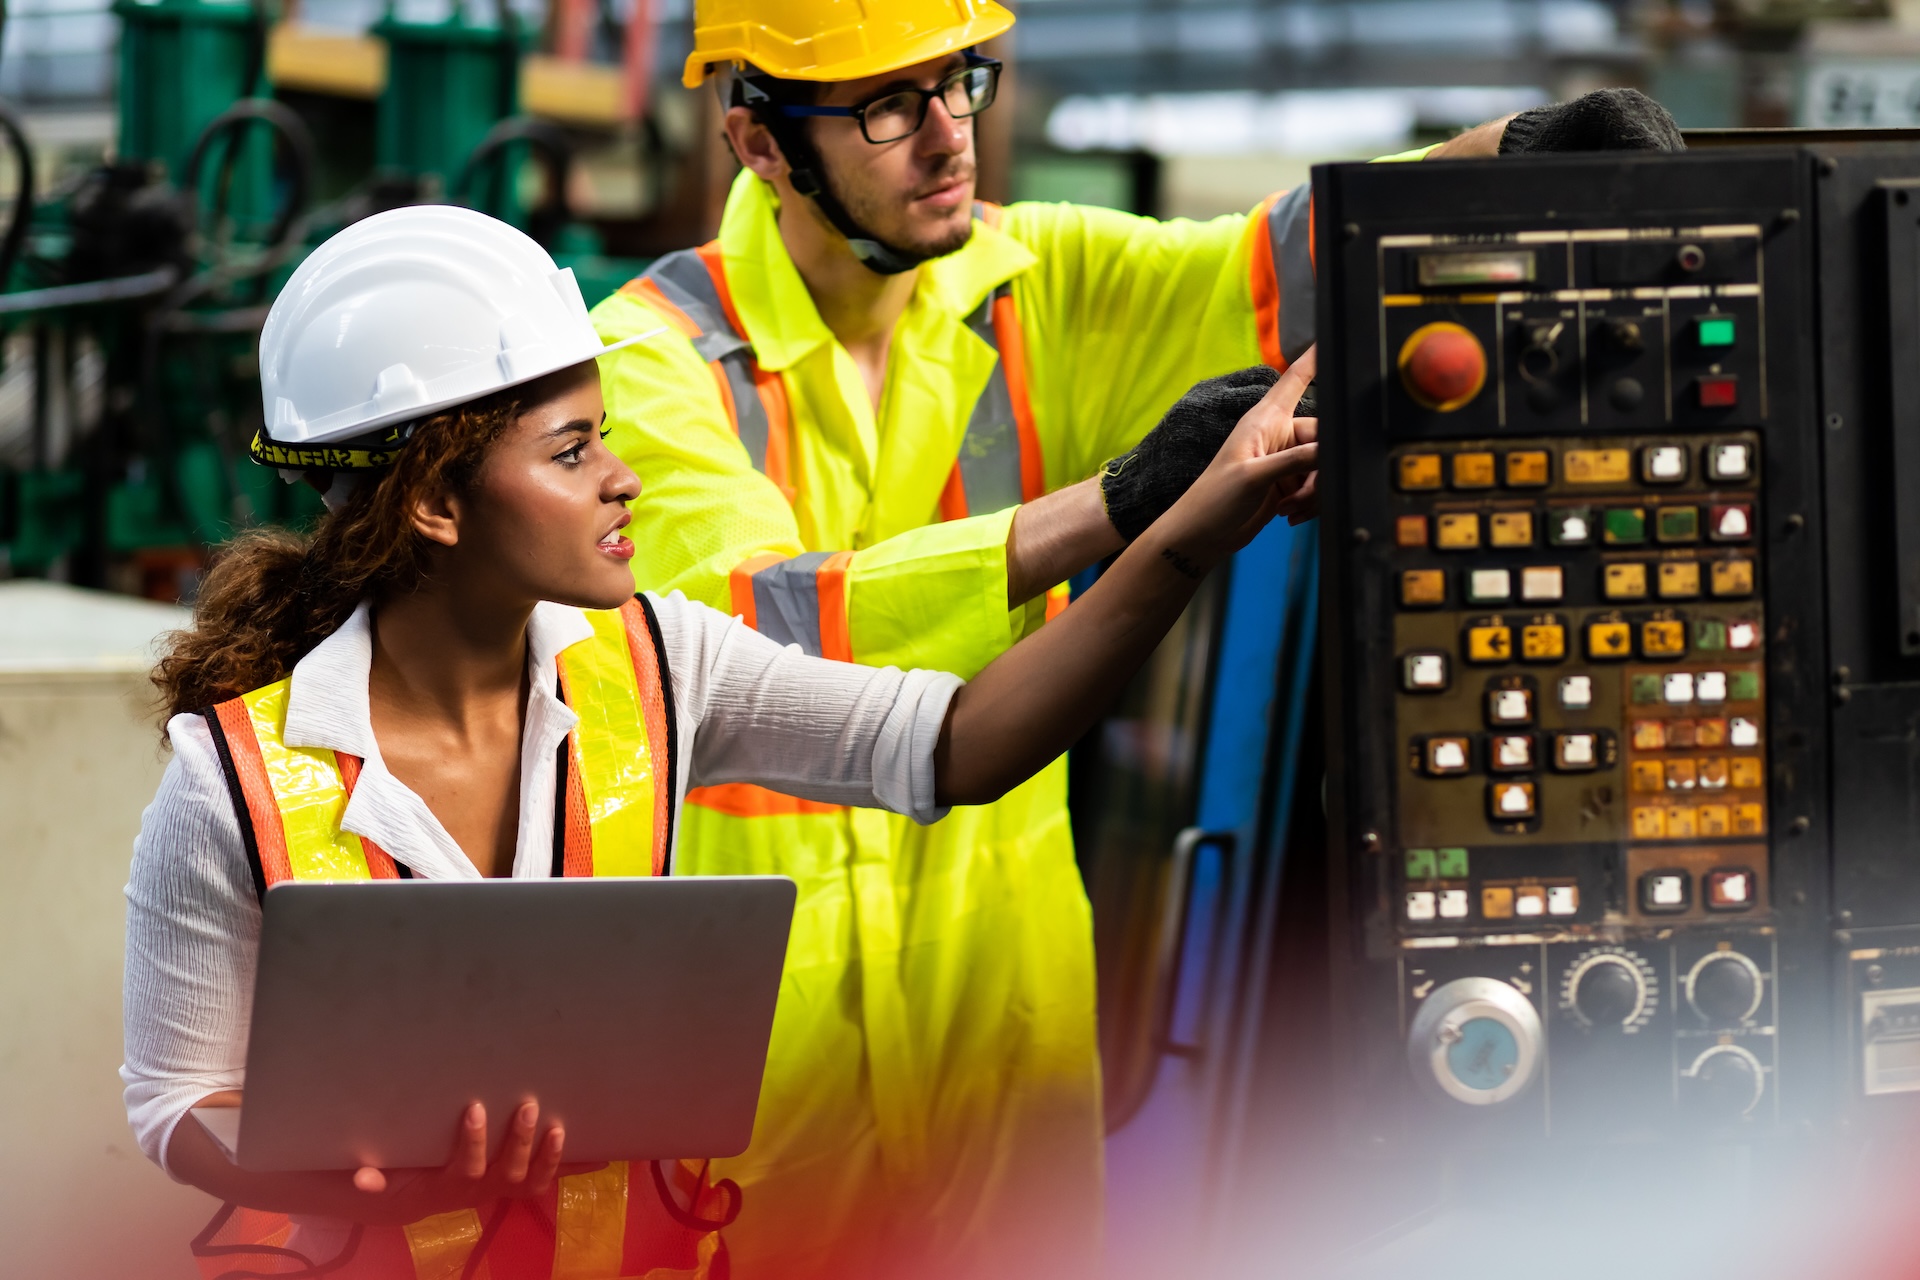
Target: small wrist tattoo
(1181, 564)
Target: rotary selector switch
(1610, 988)
(1725, 988)
(1724, 1083)
(1476, 1040)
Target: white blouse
(748, 710)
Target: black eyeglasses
(899, 113)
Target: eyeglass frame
(858, 111)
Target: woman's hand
(1266, 468)
(525, 1168)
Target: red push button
(1443, 366)
(1718, 391)
(1730, 889)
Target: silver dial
(1476, 1040)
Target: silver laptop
(636, 1012)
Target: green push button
(1419, 864)
(1709, 633)
(1677, 524)
(1646, 689)
(1452, 863)
(1743, 686)
(1714, 331)
(1625, 524)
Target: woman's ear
(436, 517)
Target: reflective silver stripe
(1290, 232)
(687, 284)
(786, 601)
(990, 451)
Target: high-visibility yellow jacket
(615, 796)
(933, 1085)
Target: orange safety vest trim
(1282, 263)
(615, 784)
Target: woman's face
(543, 520)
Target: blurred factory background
(164, 164)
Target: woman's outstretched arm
(1035, 700)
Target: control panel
(1572, 601)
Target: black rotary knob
(1724, 1083)
(1609, 991)
(1724, 988)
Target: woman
(452, 678)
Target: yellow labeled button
(1663, 639)
(1679, 579)
(1423, 588)
(1473, 471)
(1646, 777)
(1649, 823)
(1489, 644)
(1649, 735)
(1710, 733)
(1496, 903)
(1713, 773)
(1744, 771)
(1680, 775)
(1527, 469)
(1599, 466)
(1410, 531)
(1546, 642)
(1715, 820)
(1609, 639)
(1458, 531)
(1733, 577)
(1512, 528)
(1420, 471)
(1681, 823)
(1749, 819)
(1625, 582)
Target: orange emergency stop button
(1442, 365)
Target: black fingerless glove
(1139, 485)
(1604, 120)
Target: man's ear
(753, 145)
(436, 517)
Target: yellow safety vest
(613, 816)
(932, 1096)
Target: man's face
(915, 194)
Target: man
(877, 435)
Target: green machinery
(133, 298)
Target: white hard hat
(407, 313)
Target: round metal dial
(1476, 1040)
(1610, 988)
(1725, 988)
(1725, 1082)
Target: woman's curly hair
(273, 594)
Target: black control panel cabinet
(1622, 636)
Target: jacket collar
(778, 312)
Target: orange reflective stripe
(831, 582)
(740, 584)
(1058, 598)
(744, 800)
(576, 828)
(1264, 278)
(1013, 357)
(772, 389)
(989, 213)
(653, 707)
(953, 498)
(263, 811)
(380, 863)
(684, 324)
(1313, 255)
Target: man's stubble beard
(870, 215)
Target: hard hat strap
(760, 94)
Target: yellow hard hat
(835, 39)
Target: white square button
(1489, 586)
(1543, 582)
(1562, 900)
(1677, 687)
(1730, 461)
(1512, 706)
(1668, 891)
(1513, 751)
(1743, 635)
(1712, 686)
(1666, 462)
(1577, 751)
(1420, 904)
(1453, 904)
(1742, 732)
(1576, 692)
(1448, 757)
(1528, 902)
(1426, 671)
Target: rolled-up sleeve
(760, 712)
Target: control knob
(1443, 365)
(1724, 987)
(1476, 1040)
(1724, 1083)
(1608, 990)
